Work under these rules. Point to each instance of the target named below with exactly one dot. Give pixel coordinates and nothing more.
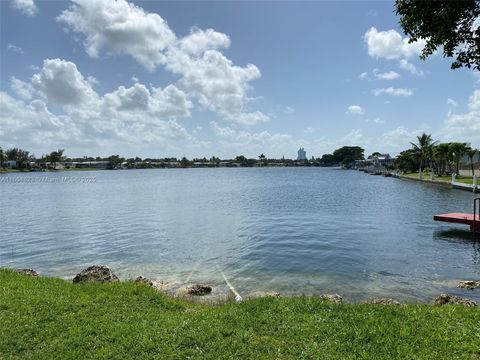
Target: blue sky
(210, 78)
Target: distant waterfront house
(94, 164)
(359, 164)
(374, 162)
(382, 160)
(465, 165)
(10, 164)
(202, 164)
(79, 165)
(229, 164)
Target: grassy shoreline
(48, 318)
(440, 179)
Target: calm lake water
(293, 230)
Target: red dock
(461, 218)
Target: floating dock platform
(473, 220)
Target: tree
(328, 160)
(471, 154)
(441, 155)
(184, 162)
(22, 157)
(241, 159)
(130, 163)
(2, 159)
(448, 25)
(114, 161)
(348, 154)
(424, 149)
(262, 159)
(457, 150)
(56, 157)
(215, 160)
(244, 162)
(407, 161)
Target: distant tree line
(344, 156)
(443, 158)
(24, 160)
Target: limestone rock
(144, 281)
(156, 284)
(199, 290)
(260, 294)
(334, 298)
(382, 301)
(166, 287)
(96, 273)
(468, 284)
(446, 299)
(28, 272)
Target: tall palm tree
(441, 154)
(457, 150)
(262, 159)
(471, 154)
(423, 148)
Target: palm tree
(262, 158)
(471, 154)
(441, 155)
(424, 149)
(56, 157)
(457, 150)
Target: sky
(200, 79)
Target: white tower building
(302, 154)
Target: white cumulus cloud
(376, 120)
(26, 7)
(217, 84)
(15, 49)
(355, 110)
(388, 75)
(390, 44)
(451, 102)
(62, 84)
(205, 73)
(120, 27)
(466, 126)
(22, 89)
(241, 140)
(135, 116)
(408, 66)
(363, 75)
(200, 41)
(393, 91)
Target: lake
(292, 230)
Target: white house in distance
(302, 154)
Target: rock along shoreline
(104, 274)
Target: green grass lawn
(80, 169)
(9, 170)
(45, 318)
(70, 169)
(444, 178)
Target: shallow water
(293, 230)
